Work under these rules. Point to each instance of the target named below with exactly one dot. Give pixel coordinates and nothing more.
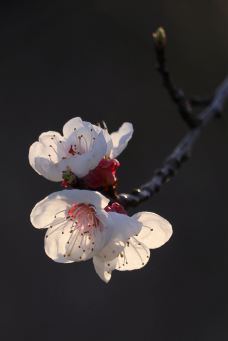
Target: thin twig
(184, 104)
(181, 153)
(200, 101)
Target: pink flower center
(72, 150)
(84, 217)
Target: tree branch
(183, 150)
(200, 101)
(184, 104)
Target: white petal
(108, 142)
(56, 145)
(94, 198)
(90, 126)
(56, 204)
(104, 269)
(50, 155)
(72, 125)
(48, 210)
(36, 150)
(96, 128)
(156, 230)
(83, 139)
(83, 246)
(56, 240)
(120, 139)
(65, 242)
(40, 162)
(122, 226)
(111, 250)
(80, 165)
(134, 256)
(50, 137)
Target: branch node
(180, 154)
(213, 109)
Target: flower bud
(160, 38)
(103, 176)
(115, 207)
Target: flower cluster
(85, 153)
(81, 222)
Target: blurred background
(59, 59)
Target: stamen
(143, 246)
(149, 227)
(84, 217)
(72, 151)
(53, 149)
(54, 223)
(73, 236)
(59, 213)
(86, 144)
(61, 226)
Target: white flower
(81, 226)
(80, 149)
(155, 231)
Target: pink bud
(115, 207)
(104, 175)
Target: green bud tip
(160, 38)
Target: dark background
(59, 59)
